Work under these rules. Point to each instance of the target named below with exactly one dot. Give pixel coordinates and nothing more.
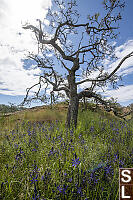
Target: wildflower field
(40, 160)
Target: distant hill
(58, 111)
(9, 108)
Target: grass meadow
(43, 160)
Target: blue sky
(16, 42)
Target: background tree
(116, 107)
(72, 51)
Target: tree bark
(72, 113)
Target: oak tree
(71, 51)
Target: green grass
(41, 160)
(41, 114)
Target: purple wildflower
(34, 179)
(70, 179)
(91, 128)
(75, 162)
(79, 190)
(59, 189)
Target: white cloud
(123, 94)
(121, 51)
(15, 42)
(13, 76)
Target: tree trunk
(72, 113)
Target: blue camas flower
(75, 162)
(34, 179)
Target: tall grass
(42, 160)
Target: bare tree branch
(65, 66)
(90, 94)
(111, 74)
(29, 89)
